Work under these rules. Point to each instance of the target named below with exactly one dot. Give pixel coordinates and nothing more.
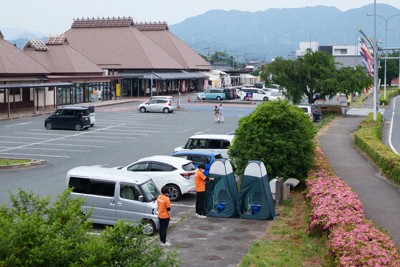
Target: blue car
(199, 157)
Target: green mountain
(265, 35)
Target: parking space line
(54, 139)
(133, 130)
(18, 124)
(53, 149)
(36, 155)
(105, 137)
(22, 137)
(14, 142)
(58, 144)
(116, 133)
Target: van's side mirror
(140, 198)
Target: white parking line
(125, 134)
(36, 155)
(22, 123)
(50, 140)
(51, 149)
(58, 144)
(22, 137)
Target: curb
(33, 163)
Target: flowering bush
(353, 240)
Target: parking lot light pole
(386, 29)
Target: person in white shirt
(221, 113)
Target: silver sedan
(157, 105)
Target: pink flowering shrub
(353, 240)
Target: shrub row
(389, 94)
(352, 239)
(368, 139)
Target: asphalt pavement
(380, 197)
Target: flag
(366, 37)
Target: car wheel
(265, 99)
(78, 127)
(219, 98)
(149, 228)
(143, 109)
(49, 126)
(166, 110)
(174, 192)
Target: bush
(368, 138)
(389, 94)
(279, 135)
(33, 233)
(336, 209)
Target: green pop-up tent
(255, 197)
(222, 193)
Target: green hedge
(368, 138)
(389, 94)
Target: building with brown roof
(66, 64)
(145, 55)
(21, 80)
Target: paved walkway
(380, 198)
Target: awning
(212, 76)
(34, 85)
(181, 75)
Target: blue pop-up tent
(222, 193)
(255, 197)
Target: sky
(53, 17)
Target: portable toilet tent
(255, 197)
(222, 193)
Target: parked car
(214, 142)
(201, 96)
(274, 95)
(214, 94)
(228, 92)
(199, 157)
(313, 111)
(253, 94)
(157, 105)
(176, 173)
(111, 195)
(69, 117)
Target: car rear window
(189, 167)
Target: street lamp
(386, 29)
(398, 79)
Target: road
(121, 135)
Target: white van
(213, 142)
(114, 195)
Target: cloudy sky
(56, 16)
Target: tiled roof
(15, 62)
(58, 39)
(149, 26)
(37, 44)
(102, 22)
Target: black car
(70, 117)
(313, 111)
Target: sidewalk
(30, 112)
(380, 197)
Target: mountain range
(263, 35)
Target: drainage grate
(232, 238)
(184, 245)
(240, 230)
(212, 258)
(222, 247)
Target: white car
(176, 173)
(164, 105)
(253, 94)
(274, 95)
(213, 142)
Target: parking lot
(120, 136)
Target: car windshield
(150, 190)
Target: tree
(317, 74)
(33, 233)
(279, 135)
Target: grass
(286, 242)
(8, 162)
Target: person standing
(200, 185)
(164, 209)
(216, 114)
(221, 114)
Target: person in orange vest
(200, 185)
(164, 209)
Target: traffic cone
(189, 98)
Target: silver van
(114, 195)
